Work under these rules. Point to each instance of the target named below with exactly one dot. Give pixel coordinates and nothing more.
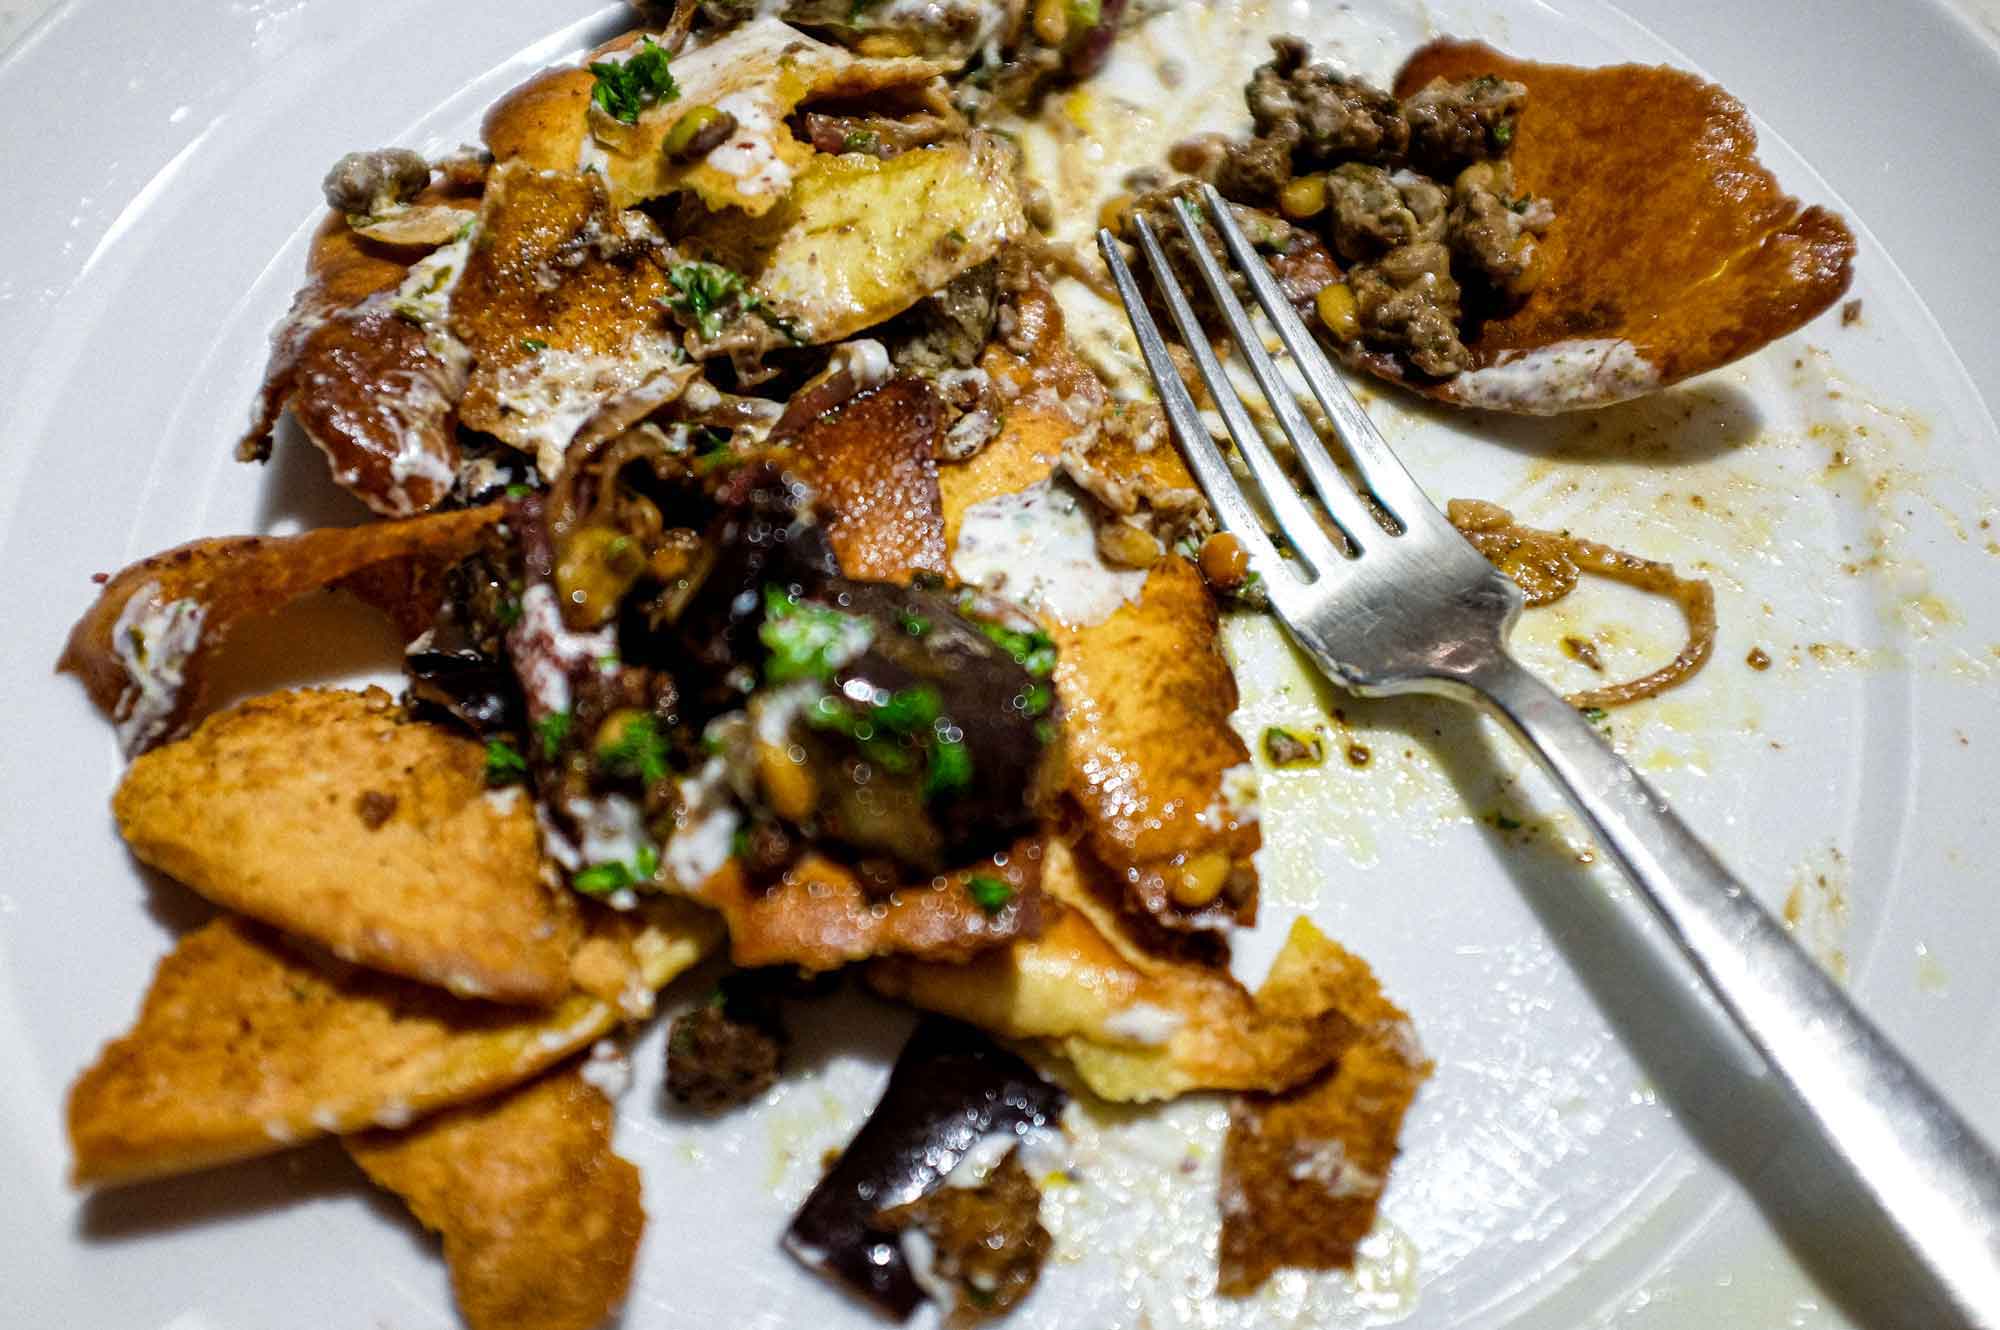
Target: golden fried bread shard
(819, 916)
(143, 649)
(871, 464)
(859, 239)
(1673, 250)
(559, 309)
(1135, 1025)
(756, 74)
(540, 1218)
(386, 847)
(245, 1046)
(1153, 764)
(1302, 1172)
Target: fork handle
(1937, 1182)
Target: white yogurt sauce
(1598, 371)
(1039, 549)
(544, 650)
(551, 394)
(750, 157)
(153, 641)
(1144, 1023)
(706, 834)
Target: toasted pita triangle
(385, 848)
(540, 1219)
(1673, 250)
(245, 1046)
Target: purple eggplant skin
(951, 1086)
(1088, 54)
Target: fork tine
(1296, 521)
(1211, 471)
(1384, 474)
(1334, 491)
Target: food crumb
(1850, 314)
(1584, 650)
(1358, 755)
(1758, 659)
(375, 808)
(100, 578)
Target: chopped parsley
(509, 612)
(916, 625)
(1596, 715)
(1036, 699)
(703, 290)
(519, 491)
(504, 763)
(1285, 747)
(1033, 651)
(533, 344)
(950, 767)
(806, 641)
(605, 878)
(1503, 133)
(625, 89)
(861, 140)
(552, 729)
(639, 751)
(989, 893)
(1505, 823)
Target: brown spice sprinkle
(374, 808)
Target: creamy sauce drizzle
(1039, 549)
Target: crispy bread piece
(818, 916)
(383, 845)
(245, 1046)
(871, 463)
(859, 238)
(540, 1219)
(559, 308)
(542, 123)
(371, 389)
(143, 649)
(1147, 694)
(1153, 762)
(1673, 250)
(1302, 1172)
(757, 73)
(1136, 1026)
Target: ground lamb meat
(726, 1051)
(1323, 116)
(1297, 259)
(1453, 125)
(1492, 233)
(1409, 302)
(949, 329)
(1374, 212)
(1255, 171)
(986, 1243)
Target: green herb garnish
(1036, 699)
(950, 768)
(916, 625)
(504, 763)
(605, 878)
(533, 344)
(1033, 651)
(703, 289)
(861, 140)
(638, 751)
(1596, 715)
(1505, 823)
(989, 893)
(625, 89)
(806, 641)
(519, 491)
(1503, 133)
(552, 729)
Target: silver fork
(1421, 611)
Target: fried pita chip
(559, 307)
(374, 391)
(861, 238)
(756, 73)
(1135, 1026)
(1673, 250)
(1302, 1172)
(818, 916)
(144, 649)
(1163, 780)
(1153, 763)
(245, 1046)
(871, 464)
(386, 847)
(540, 1219)
(542, 123)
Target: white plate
(1589, 1152)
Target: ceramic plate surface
(1592, 1150)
